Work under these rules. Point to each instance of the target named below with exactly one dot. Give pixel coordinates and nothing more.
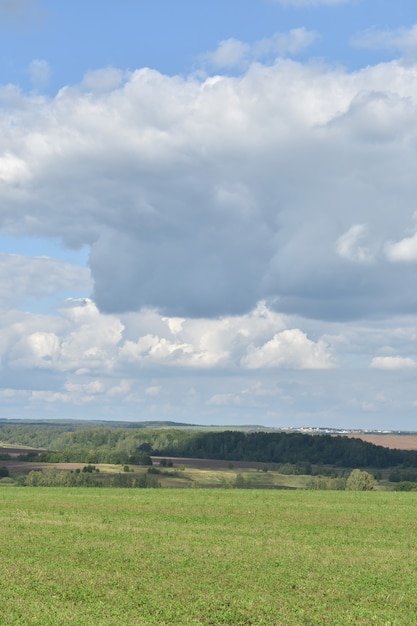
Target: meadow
(101, 557)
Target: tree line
(51, 477)
(281, 447)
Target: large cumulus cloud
(83, 341)
(291, 184)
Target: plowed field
(401, 442)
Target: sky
(208, 211)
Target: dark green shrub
(405, 486)
(145, 481)
(140, 458)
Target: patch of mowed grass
(103, 557)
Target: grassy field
(193, 473)
(206, 557)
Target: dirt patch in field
(18, 451)
(209, 463)
(400, 442)
(26, 467)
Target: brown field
(210, 463)
(203, 464)
(15, 451)
(25, 466)
(400, 442)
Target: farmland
(94, 557)
(122, 458)
(185, 473)
(389, 440)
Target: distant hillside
(70, 424)
(71, 442)
(281, 447)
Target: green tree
(140, 458)
(239, 481)
(146, 481)
(33, 479)
(360, 481)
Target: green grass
(180, 476)
(227, 478)
(102, 557)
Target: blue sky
(77, 37)
(207, 211)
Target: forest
(70, 443)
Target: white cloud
(91, 388)
(49, 397)
(234, 53)
(290, 349)
(393, 363)
(403, 39)
(93, 338)
(224, 399)
(202, 343)
(378, 116)
(103, 80)
(38, 277)
(159, 350)
(347, 245)
(200, 198)
(83, 342)
(80, 339)
(220, 213)
(122, 388)
(154, 390)
(274, 369)
(284, 43)
(404, 250)
(257, 395)
(12, 169)
(229, 53)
